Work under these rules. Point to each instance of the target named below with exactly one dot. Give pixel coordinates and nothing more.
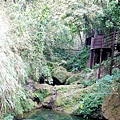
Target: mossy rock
(47, 99)
(74, 78)
(83, 78)
(65, 99)
(69, 97)
(58, 102)
(60, 73)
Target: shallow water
(46, 114)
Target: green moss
(73, 78)
(60, 73)
(69, 96)
(58, 102)
(46, 99)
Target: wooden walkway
(104, 46)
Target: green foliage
(62, 54)
(87, 70)
(80, 61)
(59, 47)
(86, 15)
(107, 85)
(116, 77)
(36, 34)
(31, 34)
(112, 13)
(81, 15)
(8, 117)
(41, 94)
(23, 57)
(116, 73)
(91, 102)
(44, 93)
(89, 82)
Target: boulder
(111, 107)
(82, 78)
(60, 73)
(74, 78)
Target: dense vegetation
(42, 32)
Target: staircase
(101, 48)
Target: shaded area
(46, 114)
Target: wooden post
(86, 36)
(95, 33)
(112, 56)
(94, 43)
(92, 50)
(91, 59)
(101, 50)
(99, 70)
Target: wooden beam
(112, 56)
(99, 70)
(91, 59)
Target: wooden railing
(97, 42)
(100, 41)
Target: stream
(48, 114)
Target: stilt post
(112, 56)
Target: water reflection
(45, 114)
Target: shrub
(80, 61)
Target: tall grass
(12, 70)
